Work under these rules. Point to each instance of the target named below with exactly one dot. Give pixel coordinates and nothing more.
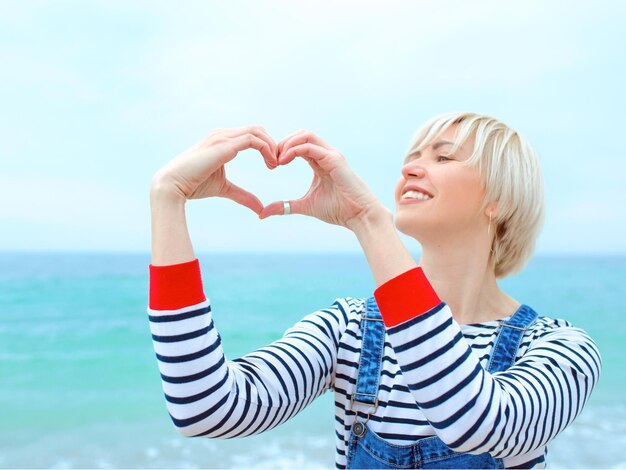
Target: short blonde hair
(511, 176)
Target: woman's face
(450, 194)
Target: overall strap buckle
(353, 400)
(509, 338)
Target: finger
(257, 131)
(261, 133)
(301, 137)
(326, 159)
(296, 206)
(246, 141)
(243, 197)
(283, 141)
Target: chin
(418, 225)
(408, 225)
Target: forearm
(506, 414)
(385, 252)
(209, 396)
(171, 243)
(471, 409)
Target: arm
(171, 243)
(506, 413)
(338, 196)
(206, 394)
(199, 173)
(210, 396)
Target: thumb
(278, 208)
(243, 197)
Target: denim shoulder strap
(372, 346)
(509, 338)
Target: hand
(199, 171)
(337, 195)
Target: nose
(413, 168)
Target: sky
(96, 96)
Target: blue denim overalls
(368, 450)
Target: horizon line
(274, 252)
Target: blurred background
(95, 96)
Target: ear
(492, 209)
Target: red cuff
(405, 296)
(176, 286)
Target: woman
(439, 368)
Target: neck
(463, 276)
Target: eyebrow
(436, 145)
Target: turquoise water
(79, 385)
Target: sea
(80, 387)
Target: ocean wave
(596, 439)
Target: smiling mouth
(413, 195)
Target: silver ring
(286, 208)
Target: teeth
(415, 195)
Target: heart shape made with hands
(248, 171)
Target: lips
(412, 192)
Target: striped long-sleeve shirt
(433, 376)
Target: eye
(443, 158)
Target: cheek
(466, 190)
(398, 188)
